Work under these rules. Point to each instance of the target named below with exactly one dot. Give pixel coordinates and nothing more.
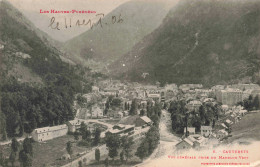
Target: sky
(31, 9)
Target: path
(167, 141)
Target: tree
(97, 136)
(87, 135)
(122, 156)
(4, 136)
(142, 112)
(113, 144)
(142, 150)
(125, 106)
(97, 154)
(15, 145)
(12, 158)
(83, 128)
(69, 148)
(25, 159)
(27, 146)
(80, 163)
(27, 128)
(256, 105)
(106, 162)
(116, 102)
(134, 107)
(76, 135)
(127, 143)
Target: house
(121, 129)
(206, 130)
(143, 121)
(154, 94)
(221, 134)
(125, 113)
(74, 125)
(224, 126)
(184, 144)
(192, 141)
(229, 122)
(96, 112)
(194, 105)
(48, 133)
(198, 140)
(191, 130)
(119, 115)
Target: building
(244, 86)
(154, 94)
(192, 141)
(228, 122)
(191, 130)
(185, 144)
(194, 105)
(73, 125)
(96, 112)
(143, 121)
(121, 129)
(206, 130)
(221, 134)
(119, 115)
(229, 96)
(48, 133)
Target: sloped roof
(188, 141)
(146, 119)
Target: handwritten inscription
(68, 23)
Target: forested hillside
(37, 88)
(202, 41)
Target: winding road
(167, 142)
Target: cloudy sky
(31, 9)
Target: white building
(74, 125)
(206, 130)
(191, 130)
(48, 133)
(96, 112)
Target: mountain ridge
(107, 44)
(197, 43)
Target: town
(122, 116)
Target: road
(10, 141)
(167, 142)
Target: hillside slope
(202, 41)
(37, 88)
(107, 44)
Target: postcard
(129, 83)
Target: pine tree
(69, 148)
(97, 154)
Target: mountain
(107, 44)
(202, 41)
(37, 88)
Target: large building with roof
(229, 96)
(48, 133)
(143, 121)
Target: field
(247, 129)
(50, 151)
(131, 161)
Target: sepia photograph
(129, 83)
